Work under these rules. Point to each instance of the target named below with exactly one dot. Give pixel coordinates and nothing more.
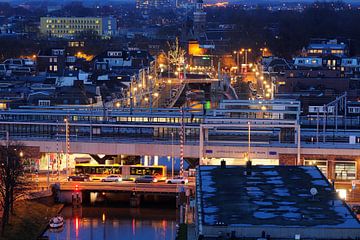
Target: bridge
(274, 126)
(89, 192)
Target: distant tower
(199, 20)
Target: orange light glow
(84, 56)
(219, 4)
(194, 49)
(77, 227)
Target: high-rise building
(199, 20)
(67, 27)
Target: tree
(175, 55)
(13, 183)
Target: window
(44, 102)
(2, 105)
(345, 170)
(321, 164)
(55, 68)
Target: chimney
(223, 163)
(248, 168)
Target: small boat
(57, 230)
(56, 222)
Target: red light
(133, 225)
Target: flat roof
(272, 196)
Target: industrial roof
(270, 195)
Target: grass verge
(30, 219)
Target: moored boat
(56, 222)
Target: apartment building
(69, 27)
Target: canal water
(110, 223)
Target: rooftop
(270, 196)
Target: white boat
(56, 222)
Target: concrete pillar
(93, 196)
(76, 199)
(156, 160)
(146, 160)
(135, 200)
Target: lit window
(55, 68)
(345, 170)
(321, 164)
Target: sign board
(352, 139)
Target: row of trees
(13, 183)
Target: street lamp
(246, 51)
(172, 155)
(263, 51)
(249, 140)
(67, 143)
(237, 60)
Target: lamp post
(249, 141)
(67, 143)
(246, 51)
(237, 60)
(48, 167)
(263, 51)
(172, 155)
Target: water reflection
(101, 223)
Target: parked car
(146, 179)
(112, 178)
(80, 177)
(177, 180)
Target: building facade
(68, 27)
(51, 61)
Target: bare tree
(13, 183)
(176, 55)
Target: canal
(107, 223)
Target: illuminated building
(327, 47)
(67, 27)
